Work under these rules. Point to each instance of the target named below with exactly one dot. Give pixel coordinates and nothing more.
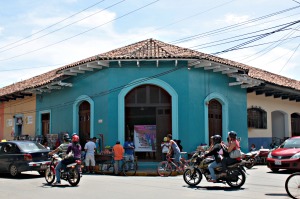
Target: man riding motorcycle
(63, 149)
(214, 152)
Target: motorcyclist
(63, 149)
(74, 148)
(214, 152)
(232, 145)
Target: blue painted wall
(104, 86)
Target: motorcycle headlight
(270, 155)
(296, 156)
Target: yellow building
(18, 117)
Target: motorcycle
(199, 166)
(72, 173)
(250, 158)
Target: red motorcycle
(72, 173)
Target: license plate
(43, 166)
(277, 162)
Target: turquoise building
(180, 91)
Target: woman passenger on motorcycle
(75, 147)
(214, 152)
(232, 145)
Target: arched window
(257, 118)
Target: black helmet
(232, 134)
(217, 139)
(66, 137)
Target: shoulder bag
(235, 154)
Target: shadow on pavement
(63, 185)
(22, 176)
(282, 172)
(276, 194)
(214, 188)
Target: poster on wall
(29, 120)
(145, 138)
(9, 122)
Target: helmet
(217, 139)
(75, 138)
(66, 137)
(232, 134)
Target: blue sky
(38, 36)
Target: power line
(49, 33)
(289, 58)
(128, 13)
(26, 37)
(255, 39)
(219, 30)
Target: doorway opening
(84, 122)
(45, 117)
(148, 107)
(214, 118)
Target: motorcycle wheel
(49, 176)
(192, 176)
(250, 164)
(74, 177)
(241, 178)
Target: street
(260, 183)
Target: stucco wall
(263, 137)
(26, 108)
(104, 87)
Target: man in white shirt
(90, 148)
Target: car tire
(13, 170)
(42, 173)
(275, 170)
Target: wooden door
(215, 118)
(84, 122)
(45, 124)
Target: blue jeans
(57, 171)
(129, 157)
(211, 168)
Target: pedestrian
(129, 151)
(45, 144)
(164, 148)
(175, 149)
(118, 152)
(90, 149)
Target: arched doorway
(279, 126)
(148, 106)
(84, 122)
(214, 118)
(295, 123)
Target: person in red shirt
(118, 152)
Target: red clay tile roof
(150, 49)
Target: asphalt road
(260, 183)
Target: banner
(145, 138)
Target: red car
(286, 156)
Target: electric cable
(124, 15)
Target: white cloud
(234, 19)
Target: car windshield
(291, 143)
(30, 146)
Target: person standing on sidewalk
(129, 151)
(118, 152)
(90, 148)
